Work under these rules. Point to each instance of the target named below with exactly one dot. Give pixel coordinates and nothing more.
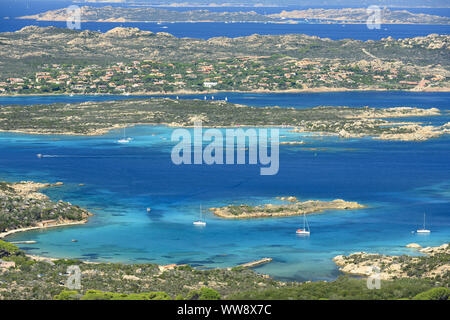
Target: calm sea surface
(399, 181)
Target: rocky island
(360, 15)
(23, 208)
(293, 208)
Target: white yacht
(305, 231)
(124, 139)
(423, 230)
(201, 222)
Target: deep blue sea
(399, 181)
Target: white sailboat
(305, 231)
(200, 222)
(423, 230)
(124, 139)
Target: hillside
(128, 60)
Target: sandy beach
(57, 224)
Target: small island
(23, 208)
(293, 208)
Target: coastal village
(132, 61)
(242, 74)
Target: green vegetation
(344, 288)
(203, 294)
(441, 293)
(7, 249)
(127, 60)
(21, 210)
(114, 281)
(295, 207)
(100, 117)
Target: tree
(7, 249)
(440, 293)
(203, 294)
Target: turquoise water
(399, 181)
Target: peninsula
(23, 208)
(435, 264)
(129, 61)
(96, 118)
(294, 208)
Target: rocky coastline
(435, 263)
(292, 208)
(23, 208)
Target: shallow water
(399, 181)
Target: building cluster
(244, 73)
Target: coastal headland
(23, 208)
(434, 265)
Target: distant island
(95, 118)
(147, 14)
(322, 16)
(51, 60)
(294, 208)
(360, 15)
